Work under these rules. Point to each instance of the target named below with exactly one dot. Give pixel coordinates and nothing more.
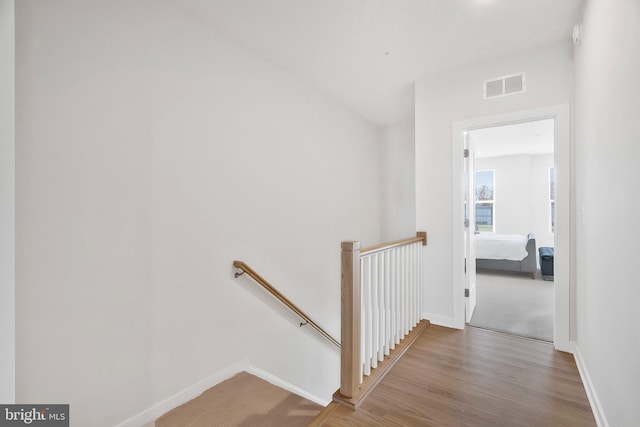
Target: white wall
(152, 153)
(398, 181)
(457, 96)
(607, 152)
(7, 202)
(522, 194)
(512, 209)
(539, 199)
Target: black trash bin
(546, 262)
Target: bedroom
(514, 205)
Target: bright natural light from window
(485, 193)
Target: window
(485, 213)
(552, 199)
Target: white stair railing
(381, 296)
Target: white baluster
(418, 284)
(380, 274)
(392, 292)
(409, 289)
(374, 311)
(400, 300)
(363, 321)
(408, 286)
(414, 289)
(366, 311)
(387, 304)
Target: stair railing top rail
(421, 237)
(273, 291)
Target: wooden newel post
(350, 364)
(422, 235)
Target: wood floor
(474, 378)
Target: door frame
(469, 227)
(564, 263)
(7, 202)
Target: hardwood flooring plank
(474, 378)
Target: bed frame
(528, 265)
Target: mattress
(512, 247)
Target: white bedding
(511, 247)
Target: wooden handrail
(421, 237)
(273, 291)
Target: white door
(470, 227)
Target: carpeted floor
(242, 401)
(513, 303)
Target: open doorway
(510, 182)
(564, 262)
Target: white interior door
(470, 227)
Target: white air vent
(506, 85)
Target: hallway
(475, 377)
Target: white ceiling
(514, 139)
(368, 53)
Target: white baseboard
(446, 321)
(598, 412)
(148, 416)
(287, 386)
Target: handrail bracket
(273, 291)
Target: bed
(507, 252)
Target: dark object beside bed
(546, 262)
(527, 265)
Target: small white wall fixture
(563, 317)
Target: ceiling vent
(506, 85)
